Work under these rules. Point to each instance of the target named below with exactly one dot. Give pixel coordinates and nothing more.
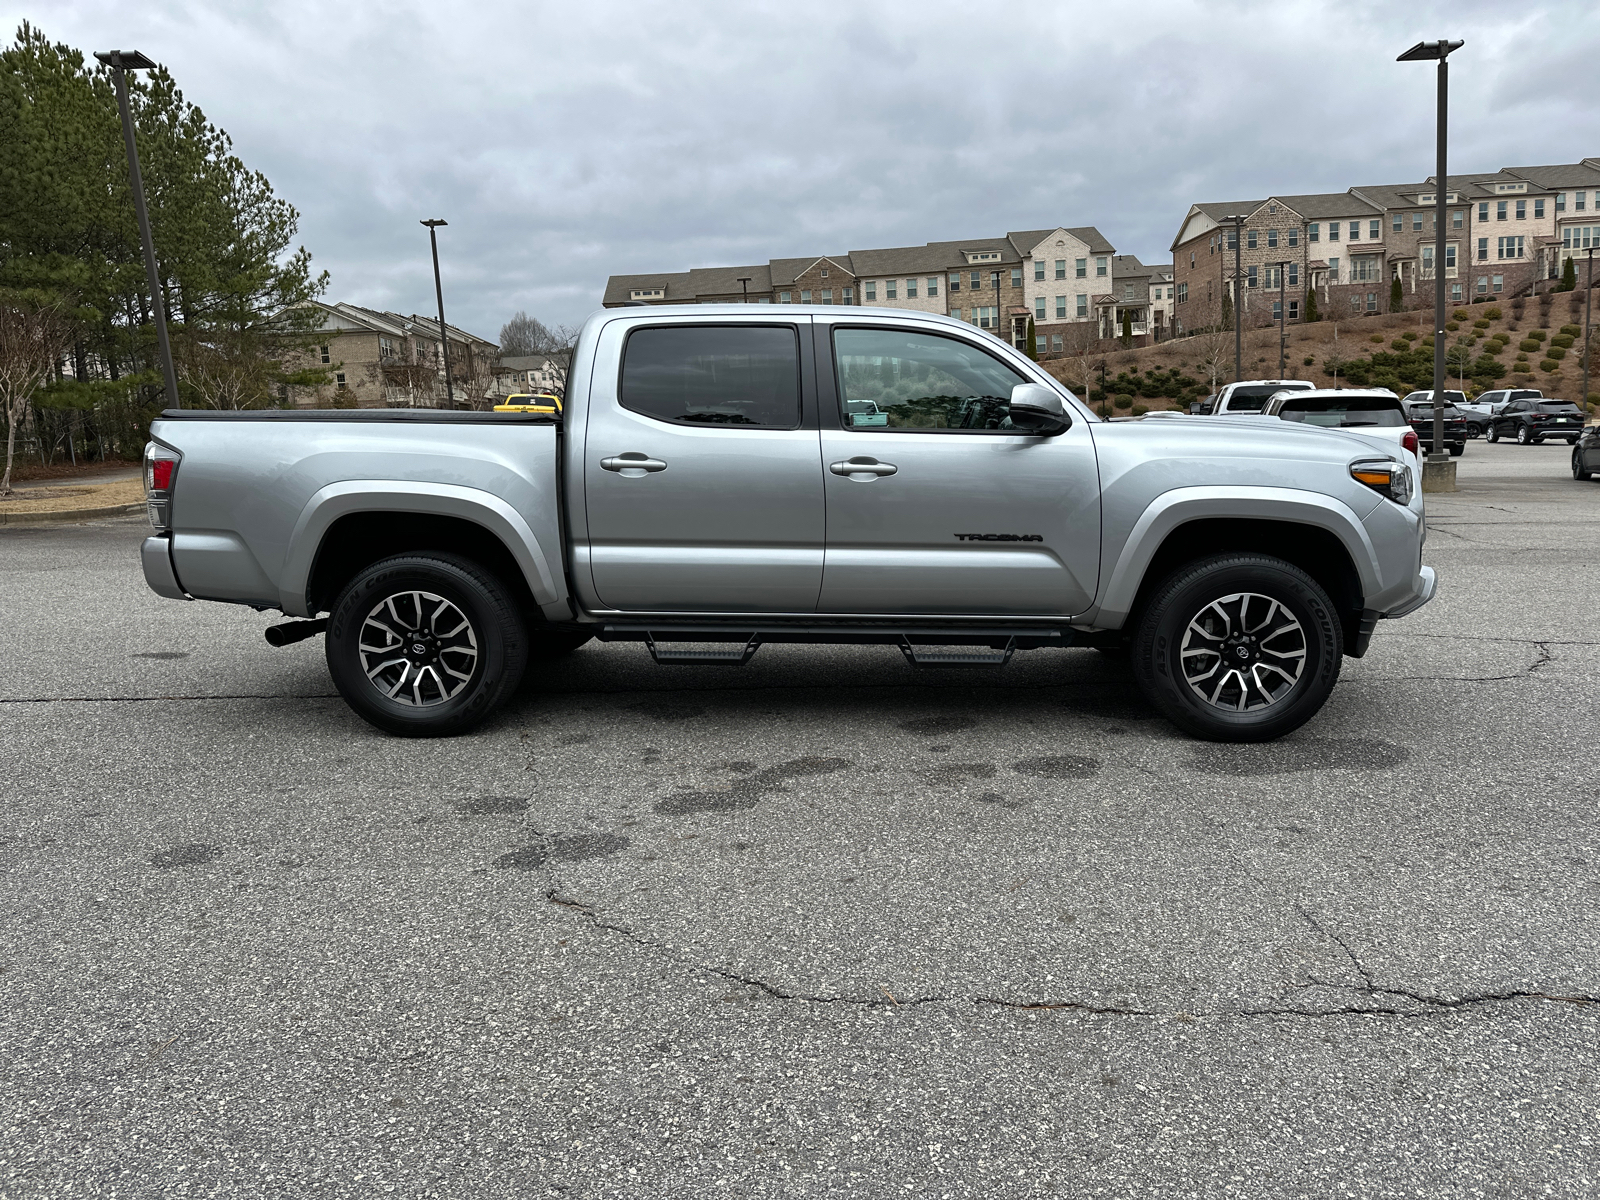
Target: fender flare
(336, 500)
(1181, 505)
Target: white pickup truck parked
(727, 476)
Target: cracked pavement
(819, 926)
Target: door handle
(632, 465)
(862, 468)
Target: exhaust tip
(290, 632)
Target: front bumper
(1422, 591)
(156, 556)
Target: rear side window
(714, 375)
(1563, 406)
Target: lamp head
(1430, 51)
(124, 60)
(434, 223)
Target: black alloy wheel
(1238, 648)
(426, 645)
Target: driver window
(920, 383)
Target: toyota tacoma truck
(723, 477)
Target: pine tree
(1127, 327)
(1311, 313)
(1397, 297)
(1569, 277)
(1033, 341)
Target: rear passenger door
(702, 482)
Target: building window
(1250, 239)
(1277, 310)
(1578, 201)
(1272, 239)
(1372, 301)
(1294, 274)
(955, 281)
(1457, 218)
(1038, 269)
(1061, 308)
(1511, 247)
(1455, 293)
(1538, 209)
(1499, 284)
(1373, 233)
(1038, 308)
(1483, 249)
(1233, 239)
(1061, 267)
(1083, 305)
(1355, 301)
(339, 379)
(911, 289)
(325, 354)
(1416, 223)
(847, 296)
(933, 285)
(1100, 262)
(1191, 258)
(1016, 277)
(1483, 210)
(1056, 343)
(1294, 310)
(891, 289)
(987, 317)
(1314, 232)
(1561, 202)
(1183, 293)
(805, 295)
(1522, 210)
(1251, 281)
(827, 295)
(1483, 285)
(1333, 270)
(976, 279)
(1333, 231)
(1399, 222)
(786, 297)
(1294, 237)
(1450, 258)
(1500, 210)
(871, 285)
(824, 272)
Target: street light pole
(1588, 305)
(438, 291)
(121, 62)
(1439, 465)
(1283, 317)
(1238, 297)
(995, 276)
(744, 282)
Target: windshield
(1345, 412)
(1254, 398)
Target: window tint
(714, 375)
(1254, 399)
(1557, 406)
(1345, 412)
(890, 379)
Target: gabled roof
(1562, 175)
(1128, 266)
(674, 284)
(1321, 205)
(1025, 241)
(786, 270)
(724, 281)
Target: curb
(68, 516)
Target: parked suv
(1586, 454)
(1455, 427)
(1477, 422)
(1373, 412)
(1490, 404)
(1531, 421)
(1251, 395)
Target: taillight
(1410, 442)
(160, 469)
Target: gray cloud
(565, 143)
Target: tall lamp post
(121, 62)
(1439, 472)
(744, 282)
(1238, 297)
(1588, 305)
(995, 276)
(438, 291)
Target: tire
(1524, 438)
(1572, 441)
(422, 596)
(1579, 472)
(1494, 433)
(1474, 431)
(1457, 451)
(1201, 603)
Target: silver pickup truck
(726, 476)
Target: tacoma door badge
(999, 537)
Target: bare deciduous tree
(34, 334)
(1214, 345)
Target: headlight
(1391, 479)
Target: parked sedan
(1531, 421)
(1455, 427)
(1586, 454)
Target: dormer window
(647, 294)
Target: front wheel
(1579, 471)
(1238, 648)
(426, 645)
(1494, 433)
(1458, 451)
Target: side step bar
(923, 656)
(734, 656)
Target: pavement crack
(1343, 945)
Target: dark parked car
(1455, 427)
(1586, 454)
(1531, 421)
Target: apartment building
(1507, 233)
(1054, 276)
(385, 360)
(1140, 293)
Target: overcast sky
(567, 142)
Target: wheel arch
(347, 527)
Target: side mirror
(1038, 409)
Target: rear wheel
(1238, 648)
(1474, 431)
(1494, 433)
(1524, 438)
(426, 645)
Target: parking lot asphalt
(820, 926)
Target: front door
(935, 504)
(703, 492)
